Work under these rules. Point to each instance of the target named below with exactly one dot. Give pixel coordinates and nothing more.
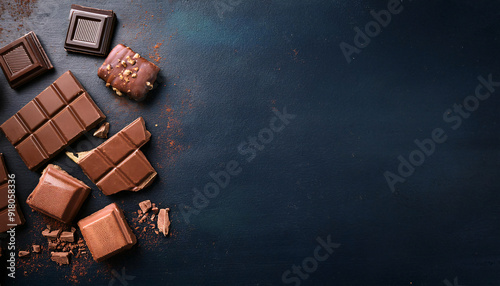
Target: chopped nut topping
(136, 56)
(149, 85)
(130, 61)
(109, 67)
(108, 84)
(118, 93)
(124, 64)
(134, 75)
(127, 72)
(136, 68)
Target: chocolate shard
(36, 248)
(118, 164)
(155, 210)
(145, 206)
(23, 253)
(68, 236)
(51, 121)
(52, 245)
(102, 132)
(90, 30)
(60, 257)
(23, 60)
(163, 221)
(51, 234)
(10, 214)
(106, 232)
(58, 194)
(128, 73)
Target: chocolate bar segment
(58, 194)
(90, 30)
(128, 73)
(106, 232)
(23, 60)
(51, 121)
(118, 164)
(6, 221)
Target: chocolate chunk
(36, 248)
(102, 132)
(52, 245)
(118, 164)
(154, 210)
(163, 221)
(58, 194)
(51, 121)
(90, 30)
(24, 253)
(128, 73)
(23, 60)
(51, 234)
(68, 236)
(60, 257)
(106, 232)
(153, 216)
(145, 206)
(16, 215)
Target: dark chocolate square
(23, 60)
(90, 30)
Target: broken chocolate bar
(106, 232)
(145, 206)
(118, 164)
(51, 121)
(163, 221)
(128, 73)
(58, 194)
(90, 30)
(102, 132)
(23, 60)
(8, 202)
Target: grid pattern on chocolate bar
(118, 162)
(87, 30)
(17, 59)
(52, 120)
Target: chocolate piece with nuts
(102, 132)
(128, 73)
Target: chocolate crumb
(60, 257)
(143, 218)
(145, 206)
(52, 245)
(23, 253)
(36, 248)
(51, 234)
(153, 217)
(154, 209)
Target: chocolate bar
(23, 60)
(52, 120)
(106, 232)
(128, 73)
(58, 194)
(118, 164)
(6, 221)
(90, 30)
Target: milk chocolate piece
(118, 164)
(36, 248)
(106, 232)
(58, 194)
(164, 221)
(128, 73)
(23, 60)
(90, 30)
(23, 253)
(52, 121)
(68, 236)
(51, 234)
(102, 132)
(145, 206)
(6, 221)
(60, 257)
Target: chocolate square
(106, 232)
(58, 194)
(23, 60)
(90, 30)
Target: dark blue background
(323, 174)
